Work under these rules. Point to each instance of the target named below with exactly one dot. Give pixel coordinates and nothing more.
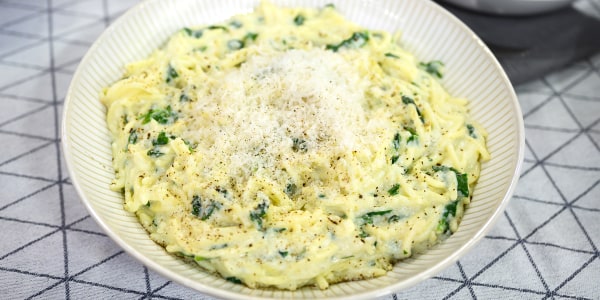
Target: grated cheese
(312, 96)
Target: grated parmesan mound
(312, 96)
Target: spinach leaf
(396, 141)
(208, 211)
(193, 33)
(440, 168)
(396, 145)
(394, 218)
(392, 55)
(184, 97)
(471, 131)
(433, 67)
(290, 189)
(154, 152)
(357, 40)
(447, 215)
(202, 210)
(162, 139)
(462, 180)
(259, 213)
(132, 138)
(236, 24)
(213, 27)
(162, 116)
(299, 145)
(235, 44)
(394, 189)
(368, 217)
(171, 74)
(196, 206)
(443, 226)
(414, 137)
(363, 234)
(408, 100)
(299, 20)
(234, 280)
(450, 209)
(250, 36)
(191, 146)
(198, 33)
(201, 49)
(217, 247)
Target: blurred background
(531, 38)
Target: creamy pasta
(290, 147)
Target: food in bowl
(290, 147)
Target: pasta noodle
(290, 147)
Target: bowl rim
(221, 293)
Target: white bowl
(429, 31)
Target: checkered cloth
(544, 246)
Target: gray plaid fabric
(544, 246)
